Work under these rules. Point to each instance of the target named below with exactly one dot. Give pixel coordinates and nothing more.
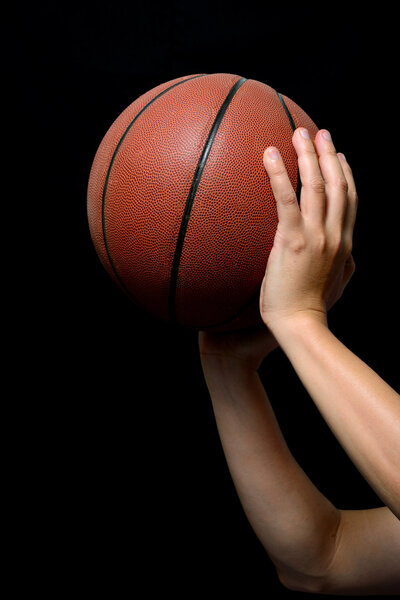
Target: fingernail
(273, 153)
(341, 156)
(326, 135)
(304, 133)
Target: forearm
(361, 409)
(294, 521)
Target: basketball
(180, 207)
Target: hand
(246, 348)
(343, 278)
(310, 262)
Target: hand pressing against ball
(249, 347)
(310, 262)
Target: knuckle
(331, 152)
(288, 197)
(317, 184)
(320, 242)
(309, 149)
(341, 184)
(297, 243)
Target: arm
(295, 523)
(312, 243)
(367, 556)
(361, 409)
(314, 546)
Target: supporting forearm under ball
(296, 524)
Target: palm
(249, 346)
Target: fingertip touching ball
(180, 207)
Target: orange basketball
(180, 207)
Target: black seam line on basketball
(293, 125)
(256, 294)
(192, 193)
(103, 223)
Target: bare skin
(315, 546)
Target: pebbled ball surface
(139, 185)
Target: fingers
(312, 198)
(350, 218)
(328, 194)
(336, 186)
(285, 196)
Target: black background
(131, 474)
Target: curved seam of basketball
(191, 196)
(103, 223)
(253, 298)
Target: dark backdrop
(134, 481)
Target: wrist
(245, 350)
(295, 323)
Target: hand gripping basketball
(310, 262)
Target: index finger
(286, 201)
